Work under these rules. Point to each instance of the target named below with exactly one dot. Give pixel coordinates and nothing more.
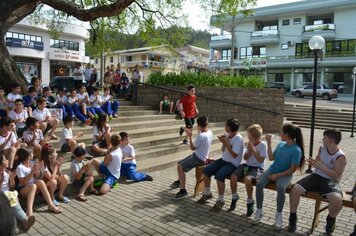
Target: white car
(321, 91)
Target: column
(322, 75)
(211, 54)
(292, 78)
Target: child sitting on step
(201, 148)
(128, 166)
(109, 106)
(101, 135)
(255, 155)
(67, 141)
(329, 167)
(109, 169)
(166, 104)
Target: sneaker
(115, 116)
(98, 183)
(175, 184)
(250, 208)
(88, 121)
(110, 117)
(330, 225)
(149, 178)
(292, 227)
(218, 206)
(181, 131)
(278, 223)
(233, 203)
(185, 142)
(204, 198)
(96, 116)
(115, 185)
(258, 216)
(55, 202)
(181, 194)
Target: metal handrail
(208, 98)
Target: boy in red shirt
(188, 110)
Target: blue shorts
(109, 178)
(220, 169)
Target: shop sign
(252, 63)
(64, 55)
(22, 43)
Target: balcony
(219, 64)
(220, 41)
(154, 64)
(264, 37)
(327, 31)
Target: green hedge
(206, 80)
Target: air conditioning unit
(290, 43)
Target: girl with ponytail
(287, 157)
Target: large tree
(117, 13)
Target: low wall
(269, 99)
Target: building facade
(162, 59)
(273, 42)
(194, 59)
(37, 54)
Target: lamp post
(353, 111)
(316, 44)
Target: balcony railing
(143, 63)
(221, 37)
(265, 33)
(322, 27)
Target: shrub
(206, 80)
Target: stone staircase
(325, 117)
(155, 137)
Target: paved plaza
(148, 208)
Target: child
(74, 104)
(3, 103)
(30, 100)
(110, 107)
(61, 102)
(14, 95)
(201, 148)
(81, 176)
(166, 104)
(233, 149)
(254, 157)
(7, 182)
(101, 135)
(129, 165)
(8, 140)
(109, 169)
(188, 110)
(51, 174)
(124, 86)
(44, 117)
(83, 100)
(67, 141)
(329, 167)
(50, 100)
(96, 101)
(37, 85)
(30, 183)
(287, 158)
(33, 136)
(19, 116)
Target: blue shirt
(285, 156)
(27, 100)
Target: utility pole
(232, 59)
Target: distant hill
(175, 36)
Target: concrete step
(322, 112)
(319, 117)
(323, 125)
(302, 106)
(321, 121)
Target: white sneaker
(258, 216)
(278, 223)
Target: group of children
(246, 160)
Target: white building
(194, 58)
(273, 42)
(37, 54)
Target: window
(255, 52)
(302, 50)
(285, 22)
(284, 46)
(226, 54)
(60, 43)
(23, 36)
(297, 21)
(340, 48)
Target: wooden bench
(346, 202)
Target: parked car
(322, 91)
(279, 85)
(64, 82)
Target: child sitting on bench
(329, 167)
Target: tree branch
(82, 14)
(157, 13)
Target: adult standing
(88, 72)
(93, 81)
(137, 77)
(37, 84)
(78, 72)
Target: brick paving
(148, 208)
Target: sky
(198, 19)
